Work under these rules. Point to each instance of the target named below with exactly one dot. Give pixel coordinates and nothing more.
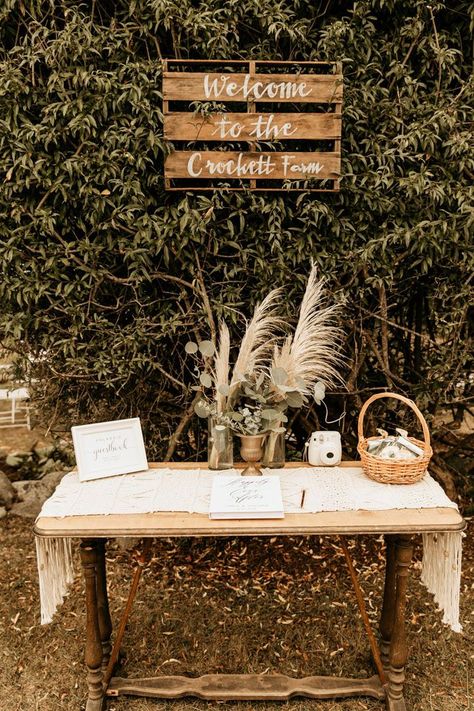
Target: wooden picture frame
(106, 449)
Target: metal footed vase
(251, 450)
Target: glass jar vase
(274, 449)
(220, 445)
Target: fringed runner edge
(55, 572)
(441, 573)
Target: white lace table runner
(326, 489)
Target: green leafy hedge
(105, 275)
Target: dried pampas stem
(259, 339)
(312, 353)
(221, 366)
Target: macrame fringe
(55, 570)
(441, 573)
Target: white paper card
(109, 448)
(246, 497)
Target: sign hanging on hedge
(263, 125)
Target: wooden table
(398, 526)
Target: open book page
(246, 497)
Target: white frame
(136, 461)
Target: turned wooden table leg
(398, 645)
(388, 607)
(105, 623)
(93, 655)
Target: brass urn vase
(251, 450)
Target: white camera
(325, 449)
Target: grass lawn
(249, 605)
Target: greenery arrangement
(272, 371)
(104, 272)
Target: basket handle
(402, 398)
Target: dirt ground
(227, 605)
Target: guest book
(246, 497)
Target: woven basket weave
(394, 471)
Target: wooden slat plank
(169, 524)
(185, 126)
(259, 166)
(337, 145)
(276, 88)
(165, 110)
(213, 188)
(251, 108)
(246, 687)
(213, 62)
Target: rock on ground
(7, 491)
(32, 494)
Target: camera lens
(327, 455)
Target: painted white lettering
(241, 167)
(272, 91)
(235, 130)
(311, 168)
(194, 173)
(232, 89)
(212, 89)
(244, 166)
(289, 166)
(257, 129)
(245, 87)
(225, 128)
(257, 90)
(302, 90)
(264, 128)
(286, 130)
(286, 160)
(221, 128)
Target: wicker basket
(394, 471)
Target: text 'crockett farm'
(265, 165)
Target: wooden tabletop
(164, 524)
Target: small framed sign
(109, 448)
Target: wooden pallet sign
(258, 125)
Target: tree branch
(438, 86)
(183, 423)
(206, 302)
(384, 329)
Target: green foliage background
(105, 275)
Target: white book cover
(246, 497)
